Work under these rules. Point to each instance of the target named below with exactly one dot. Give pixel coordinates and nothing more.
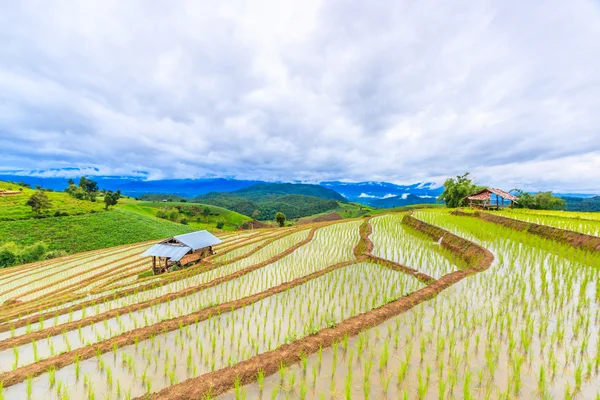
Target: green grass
(196, 220)
(90, 231)
(13, 207)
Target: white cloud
(398, 91)
(367, 196)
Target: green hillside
(188, 213)
(89, 232)
(13, 207)
(292, 205)
(261, 190)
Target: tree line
(457, 189)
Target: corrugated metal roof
(485, 194)
(198, 240)
(174, 253)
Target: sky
(396, 91)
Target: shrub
(220, 224)
(174, 215)
(162, 214)
(184, 221)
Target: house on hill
(4, 192)
(181, 250)
(491, 198)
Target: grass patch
(90, 231)
(13, 208)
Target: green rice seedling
(29, 386)
(261, 380)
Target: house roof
(172, 252)
(186, 243)
(486, 194)
(198, 240)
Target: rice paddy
(88, 327)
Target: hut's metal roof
(172, 252)
(198, 240)
(486, 194)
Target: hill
(261, 190)
(192, 214)
(294, 200)
(591, 204)
(89, 232)
(13, 208)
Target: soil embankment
(218, 382)
(575, 239)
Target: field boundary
(68, 326)
(60, 361)
(575, 239)
(364, 251)
(223, 380)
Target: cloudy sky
(399, 91)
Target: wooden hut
(491, 198)
(181, 250)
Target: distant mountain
(374, 193)
(268, 189)
(294, 200)
(135, 187)
(591, 204)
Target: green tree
(38, 202)
(256, 214)
(90, 188)
(111, 198)
(539, 201)
(456, 189)
(70, 182)
(280, 218)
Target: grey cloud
(316, 90)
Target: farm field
(588, 223)
(422, 306)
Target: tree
(280, 218)
(256, 214)
(70, 182)
(539, 201)
(38, 202)
(455, 190)
(205, 213)
(90, 188)
(111, 198)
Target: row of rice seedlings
(240, 251)
(330, 245)
(265, 253)
(116, 287)
(45, 276)
(226, 339)
(576, 224)
(398, 243)
(528, 327)
(83, 282)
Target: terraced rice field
(426, 306)
(588, 223)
